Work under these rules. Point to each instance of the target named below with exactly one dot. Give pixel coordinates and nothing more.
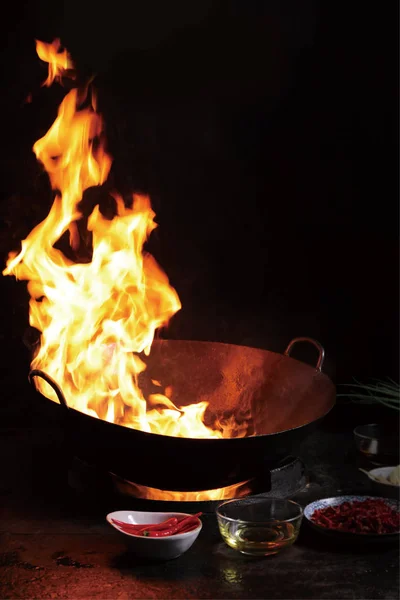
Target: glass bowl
(378, 443)
(259, 526)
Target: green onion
(379, 391)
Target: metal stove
(285, 480)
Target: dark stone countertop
(54, 544)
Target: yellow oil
(258, 540)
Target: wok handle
(52, 383)
(317, 345)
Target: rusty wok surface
(282, 400)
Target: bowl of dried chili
(365, 518)
(156, 535)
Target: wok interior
(270, 392)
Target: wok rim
(201, 440)
(79, 414)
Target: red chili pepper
(188, 528)
(137, 528)
(171, 531)
(196, 516)
(130, 526)
(124, 524)
(365, 516)
(191, 520)
(158, 526)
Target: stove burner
(285, 480)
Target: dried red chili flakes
(359, 516)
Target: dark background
(266, 135)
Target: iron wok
(285, 398)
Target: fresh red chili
(163, 525)
(188, 527)
(170, 526)
(372, 515)
(180, 527)
(172, 531)
(137, 528)
(124, 524)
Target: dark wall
(266, 134)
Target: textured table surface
(54, 544)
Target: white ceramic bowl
(385, 488)
(162, 548)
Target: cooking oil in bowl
(259, 527)
(259, 540)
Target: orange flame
(238, 490)
(96, 318)
(59, 61)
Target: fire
(59, 61)
(96, 318)
(238, 490)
